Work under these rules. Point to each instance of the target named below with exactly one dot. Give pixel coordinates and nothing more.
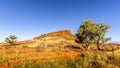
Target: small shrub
(11, 40)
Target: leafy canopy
(11, 39)
(91, 32)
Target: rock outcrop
(62, 37)
(61, 33)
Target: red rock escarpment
(61, 33)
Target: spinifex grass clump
(3, 58)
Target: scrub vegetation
(88, 48)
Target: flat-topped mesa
(61, 33)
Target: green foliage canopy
(91, 32)
(11, 39)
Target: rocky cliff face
(61, 33)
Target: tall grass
(86, 60)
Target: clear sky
(29, 18)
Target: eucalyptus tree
(90, 32)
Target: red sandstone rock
(61, 33)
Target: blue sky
(29, 18)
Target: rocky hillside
(62, 37)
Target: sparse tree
(100, 39)
(90, 32)
(11, 40)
